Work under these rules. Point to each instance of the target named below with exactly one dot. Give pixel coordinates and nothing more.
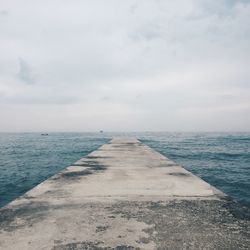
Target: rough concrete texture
(124, 196)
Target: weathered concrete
(124, 196)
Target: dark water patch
(80, 165)
(74, 174)
(97, 157)
(167, 165)
(22, 215)
(91, 169)
(99, 167)
(90, 162)
(180, 174)
(237, 210)
(85, 245)
(94, 166)
(125, 145)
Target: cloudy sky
(115, 65)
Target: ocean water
(222, 159)
(27, 159)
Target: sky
(115, 65)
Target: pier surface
(124, 196)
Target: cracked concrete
(124, 196)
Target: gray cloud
(25, 73)
(133, 8)
(4, 12)
(187, 61)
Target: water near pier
(222, 159)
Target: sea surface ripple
(222, 159)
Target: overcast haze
(115, 65)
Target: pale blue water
(27, 159)
(222, 159)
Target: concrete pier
(124, 196)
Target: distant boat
(101, 131)
(44, 134)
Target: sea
(222, 159)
